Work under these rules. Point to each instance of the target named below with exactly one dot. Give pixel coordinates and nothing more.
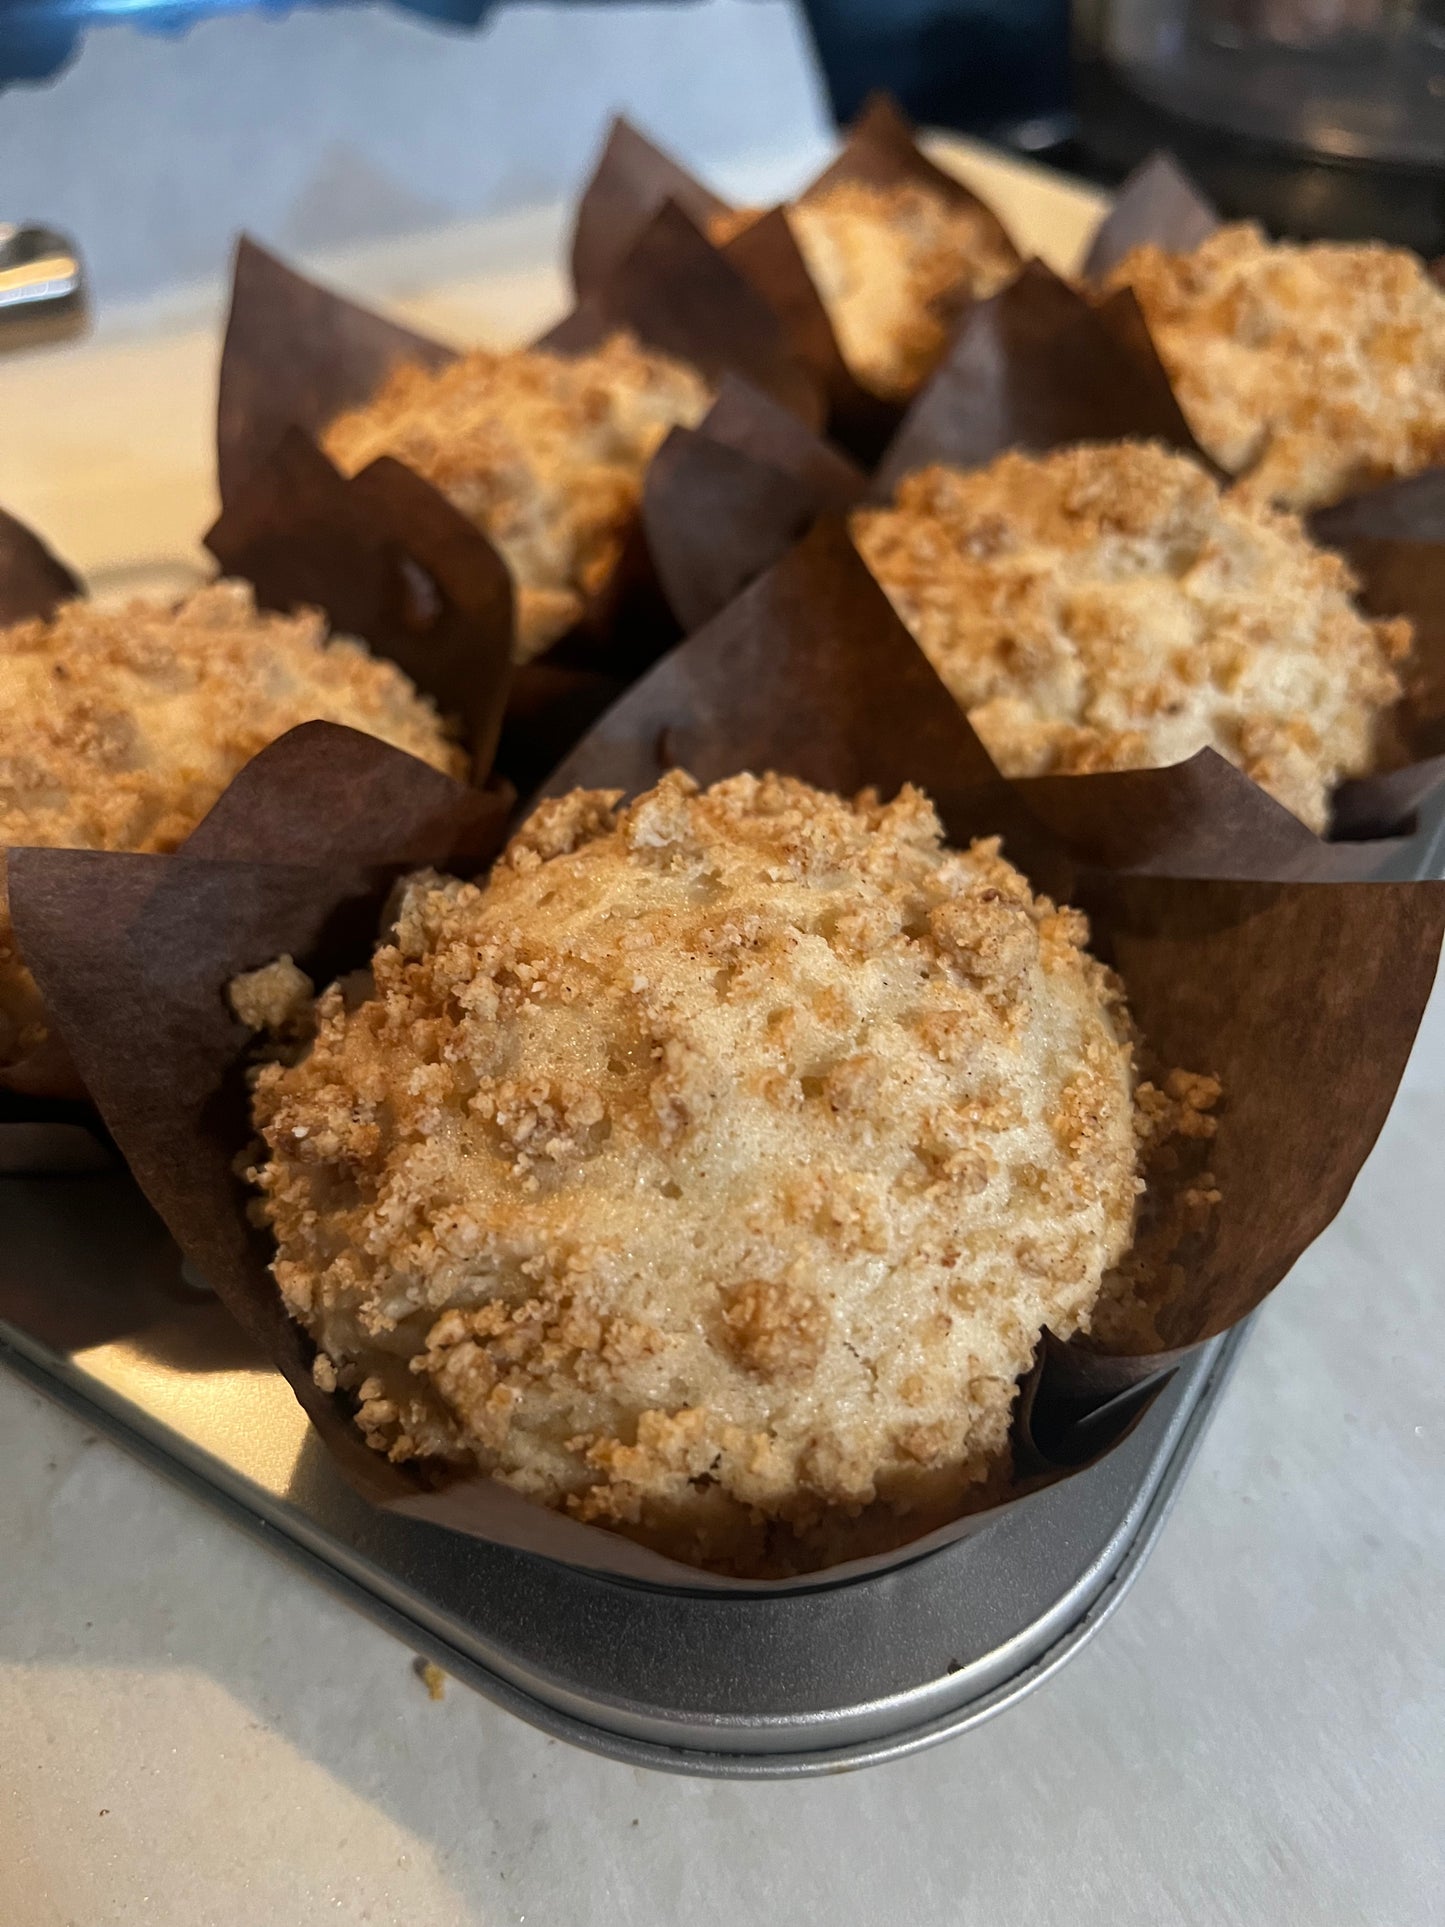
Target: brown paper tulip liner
(296, 355)
(633, 179)
(43, 1088)
(1303, 995)
(723, 502)
(1031, 367)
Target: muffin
(710, 1171)
(894, 266)
(1111, 607)
(1309, 371)
(546, 453)
(119, 729)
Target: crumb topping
(277, 1000)
(894, 267)
(1307, 370)
(1109, 607)
(120, 728)
(711, 1170)
(546, 453)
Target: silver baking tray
(741, 1686)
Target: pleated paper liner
(1039, 367)
(1158, 203)
(1033, 367)
(633, 179)
(296, 355)
(723, 502)
(41, 1102)
(388, 561)
(33, 582)
(1302, 995)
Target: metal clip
(42, 286)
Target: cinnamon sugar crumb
(432, 1678)
(276, 999)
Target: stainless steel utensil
(42, 285)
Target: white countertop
(192, 1734)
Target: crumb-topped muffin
(1308, 370)
(711, 1170)
(894, 266)
(120, 728)
(1110, 607)
(545, 452)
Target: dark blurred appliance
(1321, 117)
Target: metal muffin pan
(719, 1683)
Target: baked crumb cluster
(711, 1171)
(1308, 370)
(120, 728)
(546, 453)
(894, 267)
(1109, 607)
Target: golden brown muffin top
(545, 452)
(1307, 370)
(1110, 607)
(894, 266)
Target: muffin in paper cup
(398, 571)
(1390, 532)
(1299, 994)
(1041, 370)
(546, 450)
(882, 252)
(33, 584)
